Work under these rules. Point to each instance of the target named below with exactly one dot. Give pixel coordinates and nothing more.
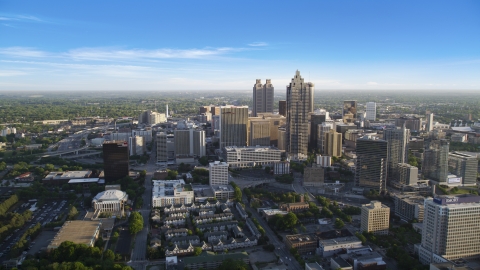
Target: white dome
(111, 195)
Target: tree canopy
(135, 222)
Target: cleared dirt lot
(42, 241)
(262, 256)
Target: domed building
(112, 201)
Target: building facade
(397, 149)
(450, 229)
(171, 192)
(115, 160)
(409, 206)
(282, 107)
(435, 161)
(240, 157)
(233, 126)
(299, 106)
(464, 166)
(218, 173)
(322, 129)
(112, 201)
(190, 143)
(371, 111)
(349, 114)
(371, 165)
(333, 143)
(258, 131)
(375, 218)
(262, 97)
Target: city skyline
(364, 46)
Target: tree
(143, 173)
(290, 220)
(49, 167)
(339, 223)
(197, 251)
(135, 222)
(109, 255)
(238, 194)
(203, 161)
(231, 264)
(267, 169)
(189, 232)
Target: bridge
(76, 153)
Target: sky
(226, 45)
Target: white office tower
(429, 116)
(137, 145)
(218, 173)
(166, 112)
(262, 97)
(299, 106)
(371, 110)
(162, 156)
(450, 229)
(324, 161)
(190, 142)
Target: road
(139, 258)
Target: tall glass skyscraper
(262, 97)
(299, 105)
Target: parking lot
(49, 212)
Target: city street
(139, 258)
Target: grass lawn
(156, 267)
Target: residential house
(253, 229)
(213, 236)
(241, 210)
(175, 233)
(221, 226)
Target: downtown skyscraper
(299, 105)
(262, 97)
(233, 126)
(397, 139)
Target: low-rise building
(409, 206)
(183, 240)
(214, 236)
(211, 218)
(60, 178)
(313, 266)
(295, 207)
(233, 243)
(241, 210)
(175, 233)
(210, 260)
(270, 213)
(25, 177)
(223, 192)
(365, 260)
(170, 192)
(329, 247)
(110, 201)
(250, 156)
(339, 263)
(313, 176)
(175, 221)
(220, 226)
(304, 243)
(77, 231)
(253, 229)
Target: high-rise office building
(115, 160)
(349, 114)
(464, 166)
(282, 139)
(397, 139)
(435, 161)
(282, 107)
(233, 126)
(450, 228)
(371, 166)
(412, 123)
(218, 173)
(262, 97)
(151, 118)
(161, 140)
(190, 142)
(137, 145)
(258, 132)
(375, 218)
(429, 126)
(315, 120)
(371, 111)
(406, 175)
(299, 105)
(276, 121)
(333, 143)
(322, 129)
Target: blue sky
(226, 45)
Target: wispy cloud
(372, 83)
(25, 18)
(9, 73)
(164, 53)
(22, 52)
(115, 54)
(258, 44)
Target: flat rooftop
(270, 212)
(67, 175)
(339, 241)
(166, 188)
(250, 148)
(78, 232)
(84, 180)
